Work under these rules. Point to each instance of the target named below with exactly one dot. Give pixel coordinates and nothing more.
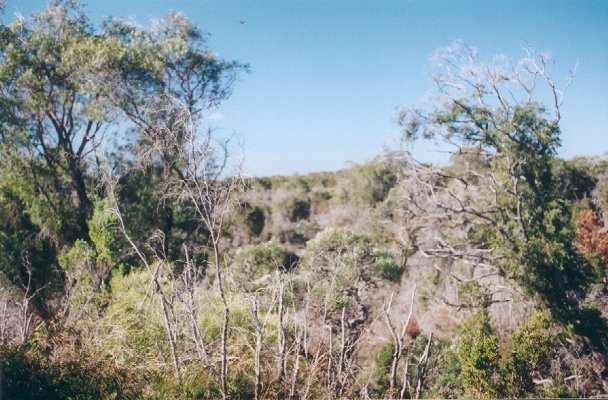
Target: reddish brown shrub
(592, 236)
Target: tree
(65, 85)
(53, 105)
(207, 186)
(515, 224)
(169, 60)
(66, 88)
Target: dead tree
(187, 298)
(26, 316)
(206, 184)
(259, 340)
(489, 117)
(296, 366)
(398, 338)
(421, 370)
(167, 306)
(281, 331)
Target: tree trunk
(84, 205)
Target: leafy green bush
(369, 184)
(479, 357)
(28, 372)
(356, 252)
(251, 219)
(258, 260)
(531, 355)
(383, 362)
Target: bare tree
(259, 340)
(491, 119)
(167, 306)
(296, 366)
(398, 338)
(421, 369)
(187, 298)
(281, 331)
(204, 186)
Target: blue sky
(328, 77)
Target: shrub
(357, 252)
(134, 332)
(299, 209)
(256, 260)
(478, 355)
(369, 184)
(447, 382)
(28, 372)
(342, 264)
(531, 355)
(383, 362)
(251, 219)
(385, 265)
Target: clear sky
(327, 77)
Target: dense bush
(256, 264)
(137, 284)
(29, 372)
(251, 219)
(369, 184)
(533, 348)
(356, 252)
(479, 358)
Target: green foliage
(243, 385)
(78, 263)
(355, 252)
(479, 356)
(383, 363)
(295, 208)
(251, 219)
(533, 348)
(259, 260)
(103, 234)
(134, 332)
(385, 265)
(369, 184)
(575, 179)
(23, 244)
(29, 373)
(87, 266)
(448, 383)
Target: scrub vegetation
(137, 262)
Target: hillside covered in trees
(137, 261)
